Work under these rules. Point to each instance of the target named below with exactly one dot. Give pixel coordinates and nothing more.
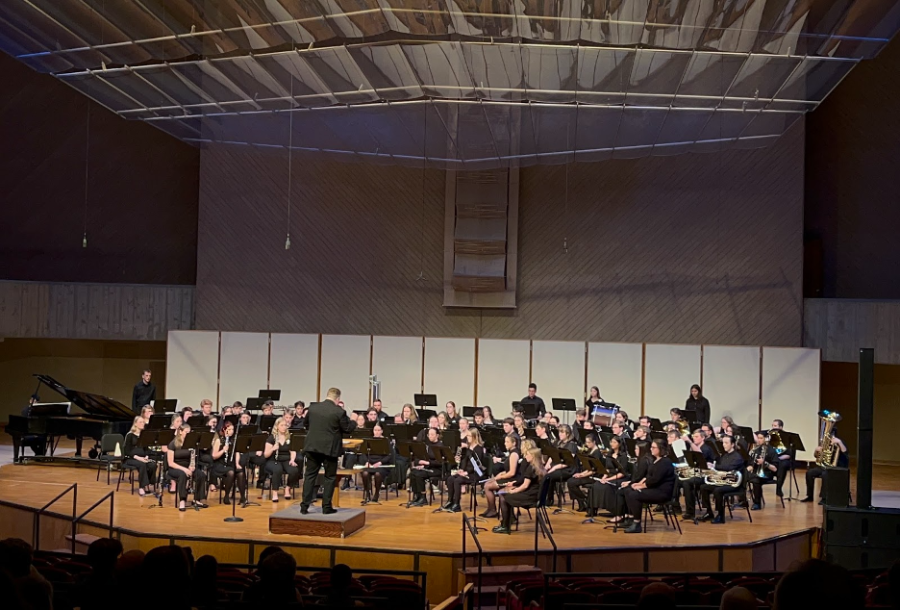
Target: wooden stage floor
(395, 537)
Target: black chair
(123, 468)
(668, 513)
(108, 445)
(742, 492)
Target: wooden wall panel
(39, 310)
(839, 327)
(684, 249)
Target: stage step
(494, 579)
(82, 540)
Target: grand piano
(85, 415)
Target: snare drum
(604, 416)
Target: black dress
(182, 457)
(146, 470)
(467, 474)
(525, 498)
(379, 475)
(604, 494)
(223, 468)
(278, 465)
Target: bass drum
(603, 416)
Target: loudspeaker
(858, 539)
(837, 487)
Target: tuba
(718, 478)
(828, 455)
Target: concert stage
(399, 538)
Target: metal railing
(543, 527)
(36, 534)
(112, 505)
(469, 527)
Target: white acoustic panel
(557, 367)
(192, 366)
(731, 383)
(669, 372)
(397, 361)
(345, 365)
(294, 367)
(502, 373)
(790, 392)
(616, 368)
(243, 366)
(450, 370)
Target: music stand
(529, 410)
(425, 400)
(794, 443)
(599, 470)
(159, 421)
(266, 422)
(254, 404)
(165, 405)
(254, 443)
(469, 411)
(656, 425)
(447, 456)
(404, 449)
(156, 438)
(566, 405)
(425, 414)
(241, 445)
(270, 394)
(451, 438)
(197, 421)
(248, 430)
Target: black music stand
(404, 448)
(451, 438)
(794, 443)
(254, 404)
(234, 419)
(197, 421)
(165, 405)
(156, 438)
(270, 394)
(159, 421)
(425, 414)
(656, 425)
(398, 432)
(566, 405)
(254, 443)
(241, 445)
(469, 411)
(376, 446)
(266, 422)
(447, 456)
(425, 400)
(248, 430)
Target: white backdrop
(450, 370)
(557, 367)
(345, 361)
(731, 383)
(790, 392)
(192, 366)
(616, 368)
(502, 373)
(294, 367)
(669, 372)
(398, 363)
(243, 366)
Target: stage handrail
(469, 527)
(112, 505)
(36, 534)
(540, 526)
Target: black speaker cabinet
(861, 539)
(837, 487)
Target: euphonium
(828, 456)
(732, 478)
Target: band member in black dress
(604, 490)
(222, 453)
(560, 473)
(697, 403)
(281, 460)
(136, 457)
(580, 481)
(524, 492)
(375, 470)
(472, 460)
(146, 412)
(638, 474)
(180, 470)
(508, 469)
(423, 470)
(487, 416)
(656, 488)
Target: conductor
(325, 421)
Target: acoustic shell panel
(790, 392)
(397, 361)
(731, 383)
(192, 366)
(616, 369)
(450, 370)
(294, 367)
(669, 371)
(346, 365)
(502, 373)
(557, 367)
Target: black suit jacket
(324, 422)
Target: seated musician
(222, 454)
(425, 469)
(524, 492)
(762, 468)
(478, 419)
(452, 415)
(299, 415)
(729, 461)
(690, 485)
(739, 441)
(644, 420)
(380, 414)
(656, 487)
(617, 470)
(488, 419)
(463, 425)
(36, 442)
(581, 480)
(509, 427)
(375, 470)
(724, 423)
(638, 475)
(433, 422)
(553, 421)
(622, 418)
(146, 412)
(508, 470)
(206, 406)
(642, 433)
(619, 429)
(560, 473)
(408, 414)
(136, 457)
(280, 460)
(541, 430)
(180, 470)
(817, 471)
(443, 421)
(785, 460)
(519, 425)
(472, 460)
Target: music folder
(563, 404)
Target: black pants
(756, 483)
(718, 493)
(180, 478)
(578, 488)
(690, 487)
(226, 473)
(146, 471)
(257, 461)
(417, 479)
(554, 478)
(784, 467)
(634, 499)
(376, 475)
(315, 461)
(524, 499)
(401, 466)
(813, 473)
(454, 487)
(277, 470)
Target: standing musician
(425, 469)
(325, 422)
(617, 470)
(656, 488)
(183, 466)
(593, 400)
(729, 461)
(280, 460)
(638, 475)
(697, 403)
(524, 492)
(763, 467)
(374, 469)
(560, 473)
(222, 454)
(534, 399)
(785, 460)
(136, 457)
(582, 479)
(472, 459)
(508, 470)
(143, 393)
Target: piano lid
(92, 404)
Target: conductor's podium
(337, 525)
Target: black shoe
(304, 510)
(719, 520)
(345, 484)
(580, 507)
(502, 529)
(687, 516)
(374, 500)
(329, 511)
(456, 508)
(634, 528)
(707, 516)
(779, 493)
(806, 499)
(447, 506)
(821, 502)
(755, 507)
(658, 509)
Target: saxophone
(828, 456)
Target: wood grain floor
(388, 526)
